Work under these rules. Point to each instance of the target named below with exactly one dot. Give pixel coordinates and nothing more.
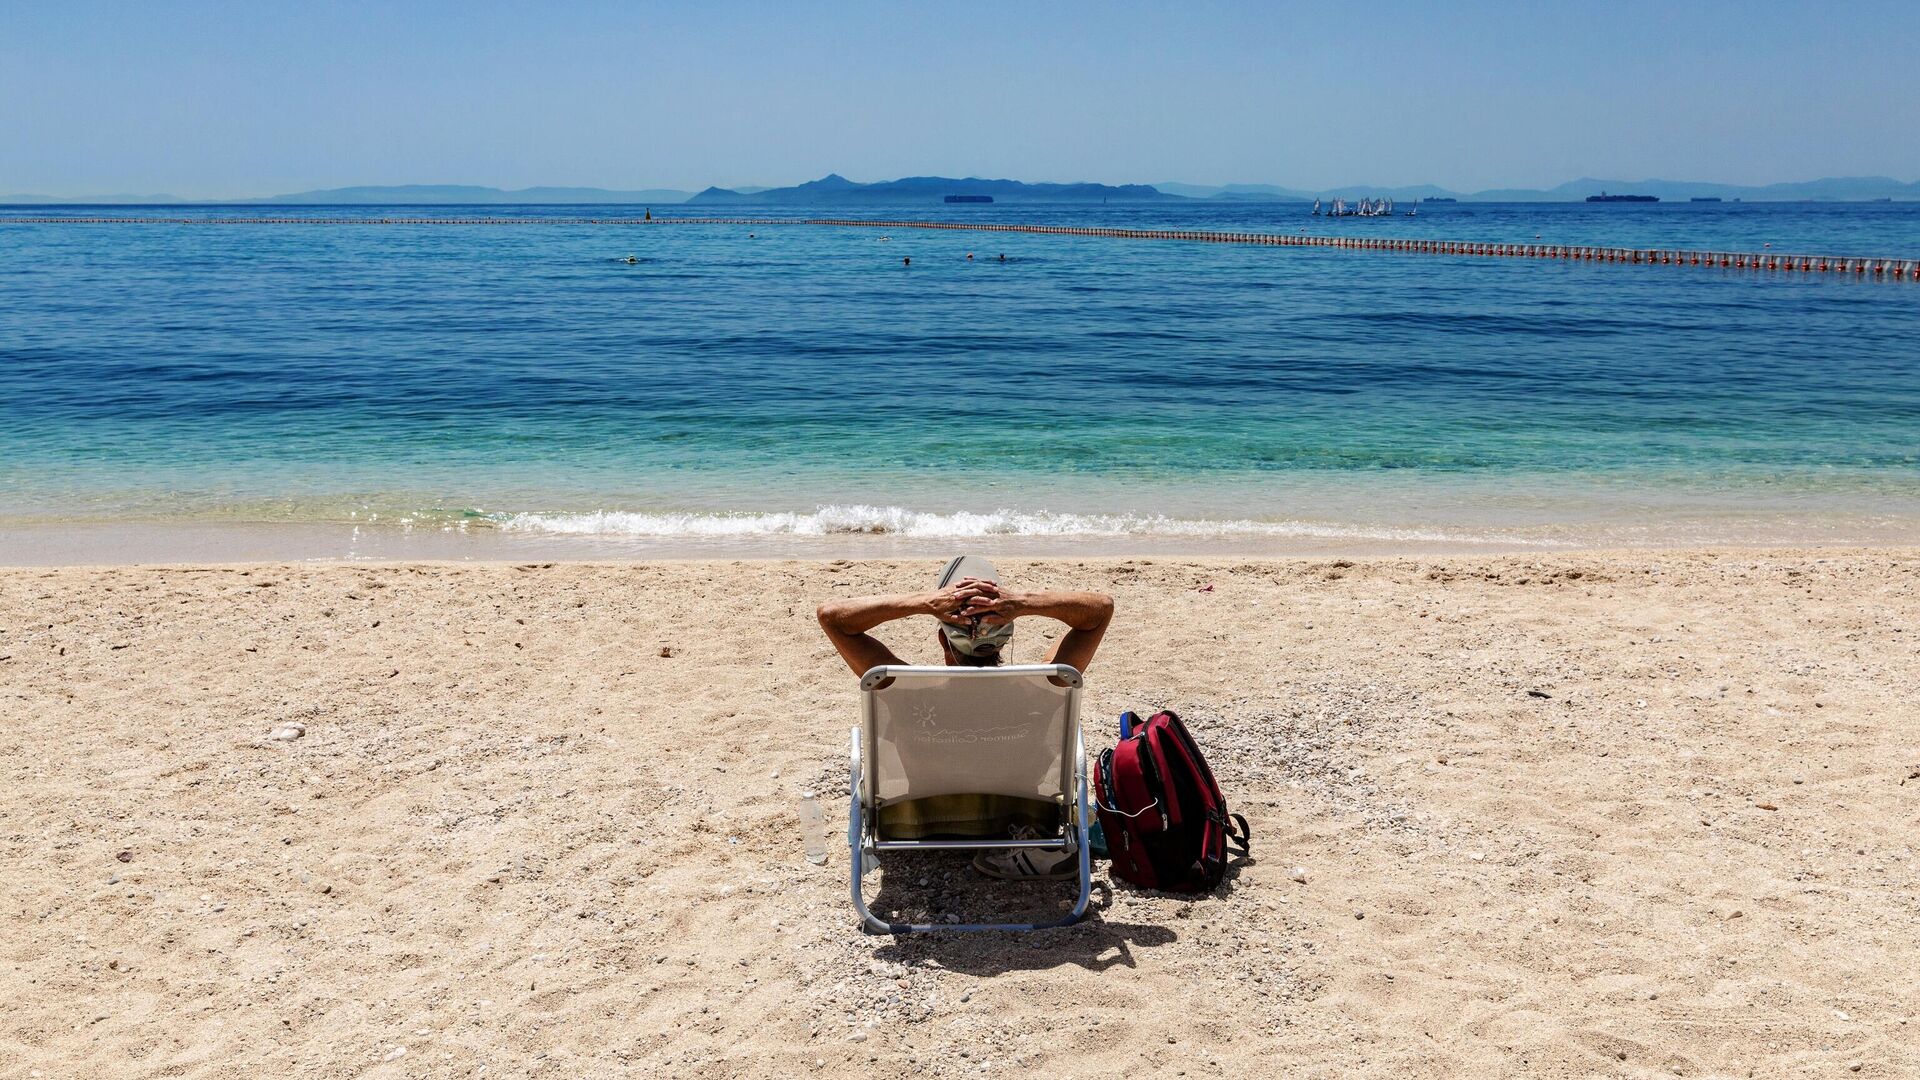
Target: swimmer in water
(969, 256)
(1003, 256)
(749, 236)
(630, 260)
(907, 261)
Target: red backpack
(1165, 821)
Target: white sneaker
(1027, 864)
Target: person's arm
(847, 621)
(1085, 613)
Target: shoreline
(148, 543)
(1645, 555)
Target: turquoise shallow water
(525, 381)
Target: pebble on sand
(288, 731)
(1299, 874)
(396, 1054)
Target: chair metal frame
(863, 839)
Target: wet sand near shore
(1626, 814)
(138, 542)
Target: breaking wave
(856, 520)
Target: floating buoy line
(1883, 268)
(1908, 269)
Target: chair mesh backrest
(1003, 732)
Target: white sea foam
(838, 520)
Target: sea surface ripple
(791, 380)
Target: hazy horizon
(217, 99)
(657, 189)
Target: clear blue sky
(213, 99)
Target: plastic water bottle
(813, 823)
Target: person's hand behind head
(992, 605)
(950, 604)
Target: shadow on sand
(923, 890)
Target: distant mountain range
(1831, 189)
(836, 190)
(396, 195)
(91, 200)
(466, 193)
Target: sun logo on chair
(931, 724)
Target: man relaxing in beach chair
(975, 615)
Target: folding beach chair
(947, 758)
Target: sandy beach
(1634, 814)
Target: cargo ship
(1705, 198)
(969, 198)
(1604, 197)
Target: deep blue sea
(777, 388)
